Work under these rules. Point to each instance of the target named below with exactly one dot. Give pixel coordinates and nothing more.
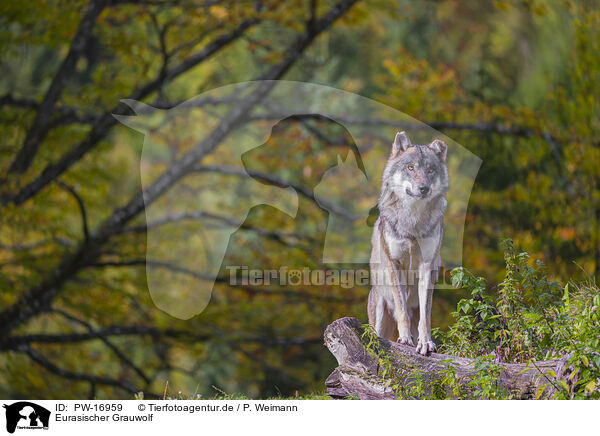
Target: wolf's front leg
(400, 309)
(425, 345)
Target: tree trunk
(360, 370)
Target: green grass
(221, 395)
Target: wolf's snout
(424, 190)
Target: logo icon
(26, 415)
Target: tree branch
(516, 131)
(40, 127)
(521, 131)
(41, 360)
(13, 342)
(39, 298)
(120, 355)
(274, 180)
(9, 100)
(252, 290)
(106, 121)
(281, 237)
(62, 115)
(33, 245)
(252, 356)
(80, 204)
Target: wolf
(406, 241)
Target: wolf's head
(416, 172)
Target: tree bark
(359, 373)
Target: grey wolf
(406, 242)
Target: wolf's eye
(410, 167)
(430, 170)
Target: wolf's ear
(401, 143)
(440, 148)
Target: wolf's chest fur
(412, 229)
(412, 219)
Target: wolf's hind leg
(371, 306)
(414, 322)
(388, 326)
(375, 310)
(379, 315)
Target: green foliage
(414, 383)
(533, 318)
(502, 326)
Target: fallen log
(364, 371)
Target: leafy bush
(532, 318)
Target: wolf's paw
(425, 347)
(406, 340)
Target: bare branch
(13, 342)
(9, 100)
(62, 115)
(551, 141)
(274, 180)
(252, 290)
(521, 131)
(120, 355)
(252, 356)
(40, 127)
(312, 14)
(41, 360)
(105, 122)
(500, 129)
(228, 220)
(80, 204)
(161, 33)
(33, 245)
(39, 298)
